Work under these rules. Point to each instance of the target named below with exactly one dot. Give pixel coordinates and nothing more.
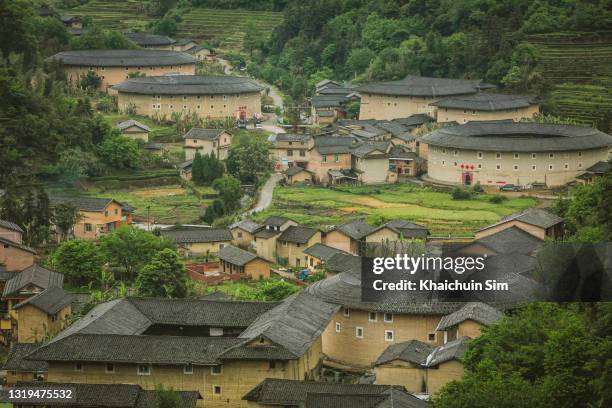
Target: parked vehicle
(510, 187)
(258, 126)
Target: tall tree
(79, 260)
(65, 217)
(164, 276)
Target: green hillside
(226, 26)
(578, 64)
(121, 15)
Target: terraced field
(115, 14)
(578, 64)
(226, 26)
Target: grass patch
(322, 207)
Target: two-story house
(207, 141)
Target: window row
(185, 97)
(372, 316)
(516, 167)
(146, 369)
(158, 106)
(498, 155)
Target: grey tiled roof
(203, 134)
(343, 262)
(135, 349)
(534, 216)
(144, 39)
(95, 204)
(235, 255)
(244, 351)
(328, 101)
(599, 168)
(188, 85)
(368, 151)
(401, 399)
(246, 225)
(476, 311)
(15, 360)
(518, 137)
(453, 350)
(293, 392)
(413, 351)
(131, 122)
(423, 87)
(275, 221)
(36, 275)
(511, 240)
(17, 245)
(124, 58)
(417, 119)
(323, 252)
(108, 395)
(197, 234)
(406, 229)
(293, 170)
(322, 400)
(356, 229)
(294, 324)
(486, 101)
(50, 301)
(292, 137)
(10, 226)
(297, 234)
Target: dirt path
(265, 194)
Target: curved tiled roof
(476, 311)
(518, 137)
(235, 255)
(424, 87)
(35, 275)
(124, 58)
(10, 226)
(485, 101)
(50, 301)
(144, 39)
(188, 85)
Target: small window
(336, 158)
(388, 318)
(372, 316)
(533, 167)
(443, 163)
(516, 167)
(455, 152)
(110, 368)
(216, 389)
(455, 164)
(359, 332)
(498, 167)
(88, 227)
(116, 211)
(272, 365)
(479, 155)
(566, 166)
(144, 369)
(78, 367)
(551, 155)
(239, 234)
(338, 327)
(431, 336)
(284, 243)
(534, 156)
(550, 167)
(187, 369)
(579, 154)
(324, 158)
(216, 370)
(443, 151)
(479, 166)
(388, 335)
(579, 165)
(498, 155)
(106, 213)
(347, 312)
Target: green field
(578, 66)
(322, 208)
(115, 14)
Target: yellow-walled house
(291, 149)
(15, 256)
(208, 97)
(348, 236)
(115, 66)
(538, 222)
(11, 231)
(200, 240)
(243, 233)
(134, 130)
(396, 230)
(19, 369)
(207, 141)
(318, 254)
(266, 236)
(297, 175)
(236, 261)
(127, 341)
(42, 315)
(97, 215)
(467, 321)
(290, 245)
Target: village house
(396, 230)
(597, 170)
(156, 148)
(19, 369)
(152, 41)
(291, 149)
(210, 97)
(348, 236)
(468, 321)
(97, 216)
(14, 255)
(104, 396)
(486, 106)
(274, 392)
(207, 141)
(134, 130)
(498, 153)
(222, 349)
(538, 222)
(404, 163)
(115, 66)
(202, 240)
(330, 159)
(266, 236)
(291, 243)
(185, 170)
(72, 22)
(236, 261)
(243, 232)
(371, 163)
(421, 367)
(42, 315)
(297, 175)
(329, 102)
(411, 95)
(318, 254)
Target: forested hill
(501, 41)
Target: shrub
(497, 199)
(477, 188)
(461, 194)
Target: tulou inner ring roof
(188, 85)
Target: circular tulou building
(207, 96)
(497, 153)
(115, 66)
